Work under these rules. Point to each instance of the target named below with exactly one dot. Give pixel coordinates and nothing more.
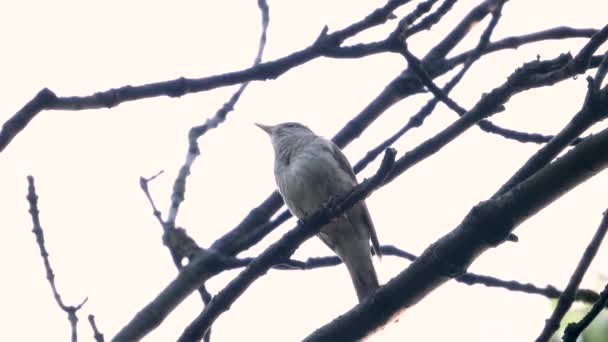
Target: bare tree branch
(71, 310)
(176, 239)
(489, 223)
(256, 225)
(47, 100)
(573, 330)
(590, 114)
(549, 291)
(531, 75)
(97, 335)
(515, 42)
(486, 225)
(567, 298)
(179, 186)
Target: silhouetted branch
(427, 22)
(490, 222)
(486, 225)
(573, 330)
(549, 291)
(71, 310)
(594, 109)
(143, 184)
(97, 335)
(405, 23)
(179, 186)
(531, 75)
(17, 122)
(514, 42)
(567, 298)
(176, 239)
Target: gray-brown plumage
(309, 170)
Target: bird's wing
(372, 230)
(367, 219)
(342, 161)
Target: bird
(310, 170)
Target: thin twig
(179, 243)
(97, 335)
(179, 186)
(567, 298)
(71, 310)
(573, 330)
(143, 184)
(549, 291)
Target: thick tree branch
(486, 225)
(594, 109)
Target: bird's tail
(361, 269)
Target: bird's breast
(308, 181)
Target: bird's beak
(267, 129)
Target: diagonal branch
(283, 249)
(531, 75)
(179, 186)
(487, 224)
(97, 335)
(594, 110)
(567, 298)
(573, 330)
(549, 291)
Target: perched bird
(309, 170)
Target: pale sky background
(105, 244)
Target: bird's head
(285, 129)
(288, 137)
